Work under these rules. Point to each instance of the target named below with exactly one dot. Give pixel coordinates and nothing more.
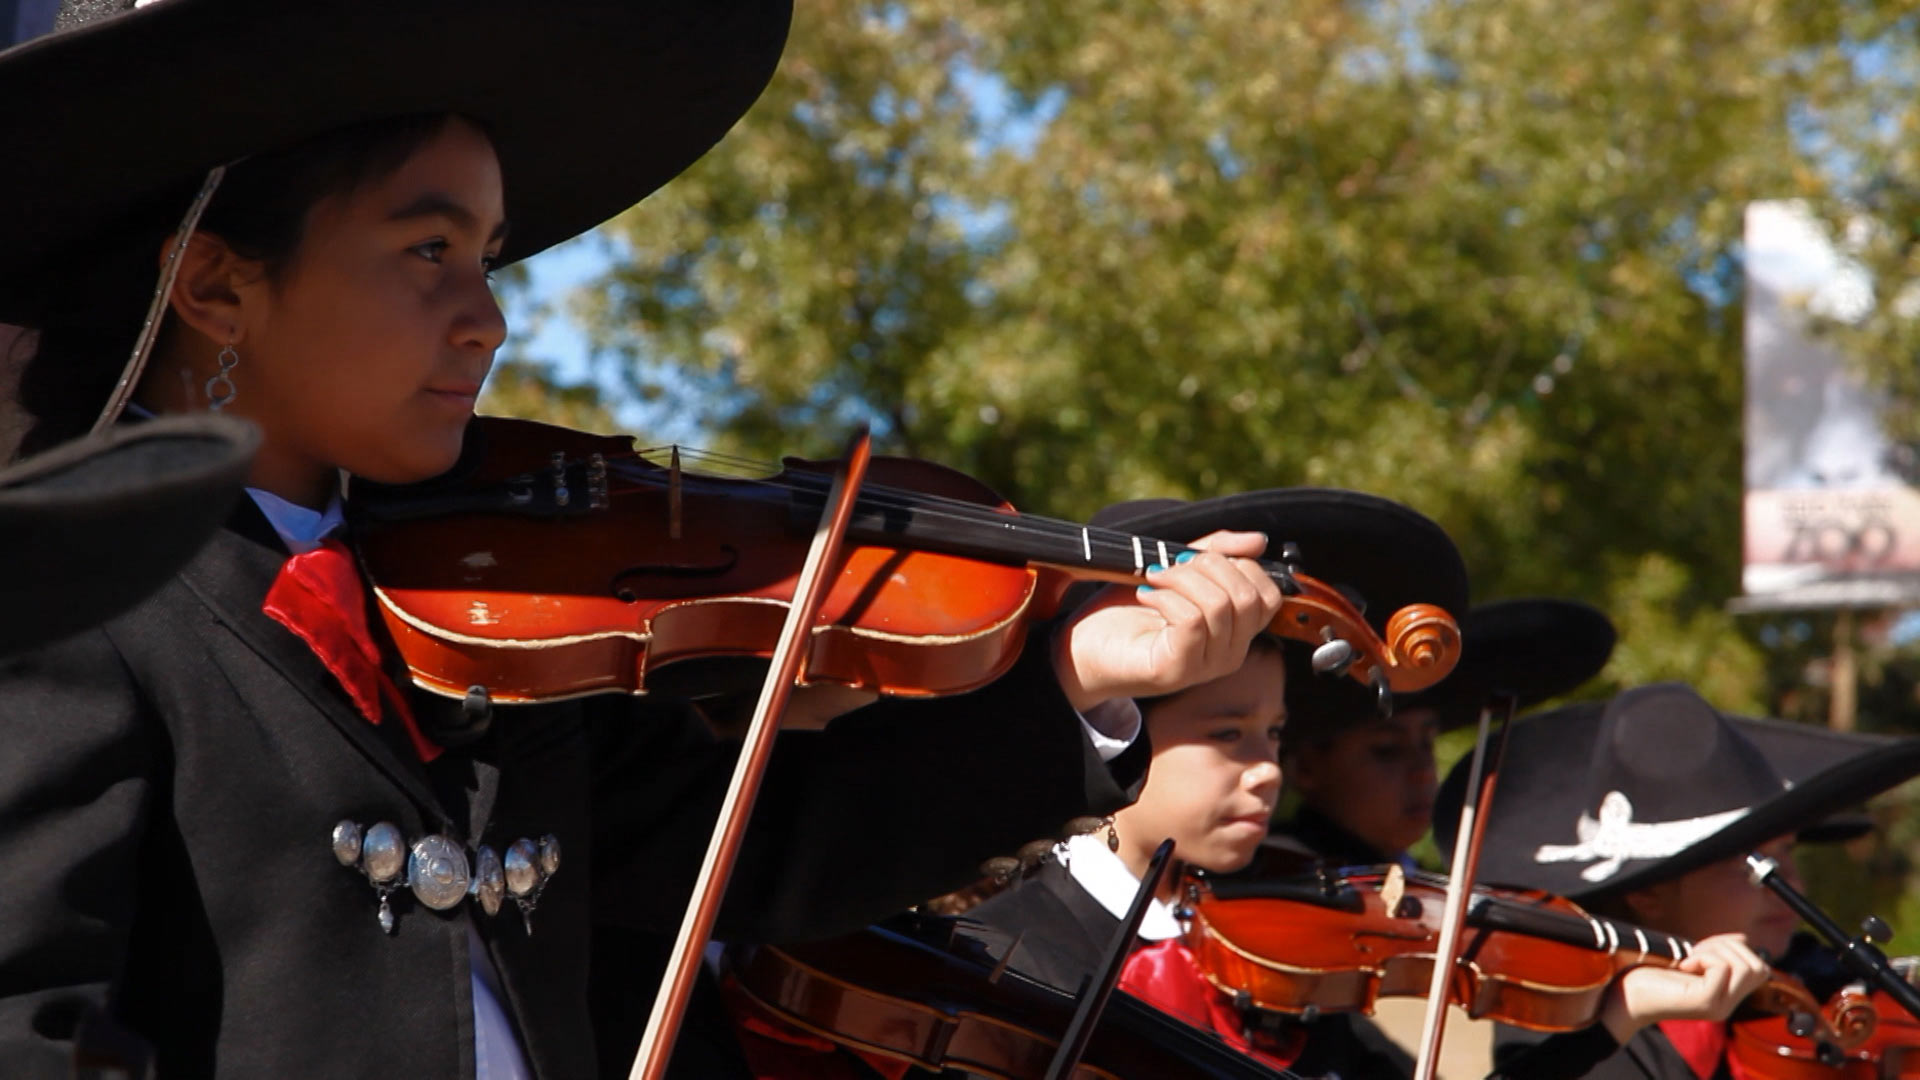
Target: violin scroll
(1423, 644)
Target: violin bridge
(1393, 889)
(673, 494)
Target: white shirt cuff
(1111, 726)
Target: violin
(1778, 1048)
(915, 992)
(1338, 942)
(552, 563)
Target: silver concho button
(383, 854)
(347, 837)
(523, 876)
(437, 872)
(489, 881)
(549, 855)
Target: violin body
(895, 994)
(1365, 938)
(538, 606)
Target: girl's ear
(207, 294)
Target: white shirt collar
(1107, 879)
(300, 528)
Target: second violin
(1336, 943)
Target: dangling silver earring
(1113, 835)
(220, 388)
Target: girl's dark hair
(99, 299)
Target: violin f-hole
(729, 557)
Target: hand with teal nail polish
(1173, 630)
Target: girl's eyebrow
(440, 204)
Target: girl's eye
(489, 263)
(1226, 735)
(1276, 733)
(431, 250)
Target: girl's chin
(1225, 858)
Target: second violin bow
(1466, 860)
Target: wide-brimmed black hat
(88, 529)
(1380, 553)
(591, 104)
(1531, 650)
(1598, 799)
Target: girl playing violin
(1215, 765)
(233, 844)
(1643, 808)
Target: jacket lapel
(232, 576)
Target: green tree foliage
(1480, 256)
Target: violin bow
(1474, 807)
(1098, 986)
(809, 593)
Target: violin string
(945, 509)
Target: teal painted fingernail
(1186, 556)
(1144, 589)
(1156, 568)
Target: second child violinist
(1216, 752)
(1644, 808)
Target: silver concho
(437, 872)
(383, 855)
(489, 881)
(522, 875)
(347, 837)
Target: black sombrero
(592, 104)
(1597, 799)
(1531, 650)
(1382, 554)
(88, 529)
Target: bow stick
(809, 593)
(1474, 806)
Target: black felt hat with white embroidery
(1531, 650)
(119, 113)
(88, 529)
(1598, 799)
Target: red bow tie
(319, 597)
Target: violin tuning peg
(1382, 694)
(1876, 930)
(1828, 1054)
(1290, 555)
(1332, 658)
(1801, 1024)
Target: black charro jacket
(170, 780)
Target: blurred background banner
(1832, 517)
